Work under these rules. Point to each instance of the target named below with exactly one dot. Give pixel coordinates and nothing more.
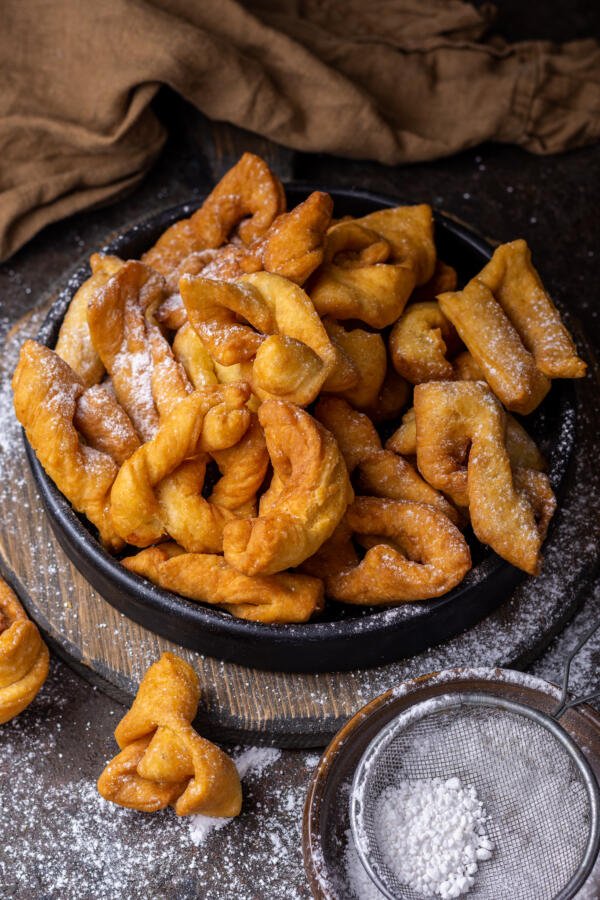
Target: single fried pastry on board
(163, 760)
(307, 497)
(212, 418)
(291, 350)
(509, 368)
(357, 280)
(249, 197)
(117, 322)
(46, 393)
(379, 472)
(24, 658)
(461, 450)
(518, 288)
(74, 343)
(274, 599)
(417, 553)
(420, 341)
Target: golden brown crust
(509, 369)
(212, 418)
(117, 322)
(356, 287)
(46, 392)
(461, 450)
(379, 472)
(104, 424)
(163, 760)
(518, 288)
(417, 553)
(74, 344)
(273, 599)
(249, 189)
(291, 352)
(420, 341)
(24, 658)
(308, 495)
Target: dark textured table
(57, 838)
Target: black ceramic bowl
(344, 637)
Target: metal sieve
(539, 792)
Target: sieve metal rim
(443, 702)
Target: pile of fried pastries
(217, 405)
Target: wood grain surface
(270, 707)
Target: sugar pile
(432, 835)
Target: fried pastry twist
(518, 288)
(367, 359)
(196, 522)
(212, 418)
(307, 497)
(24, 658)
(46, 393)
(249, 197)
(461, 450)
(378, 472)
(420, 341)
(104, 424)
(163, 760)
(274, 599)
(117, 322)
(74, 344)
(293, 355)
(414, 553)
(357, 280)
(509, 368)
(522, 450)
(409, 232)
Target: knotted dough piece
(358, 280)
(420, 341)
(104, 424)
(272, 599)
(414, 552)
(306, 499)
(367, 358)
(24, 658)
(522, 450)
(518, 288)
(409, 232)
(291, 350)
(377, 471)
(249, 197)
(118, 326)
(212, 418)
(461, 450)
(74, 343)
(46, 393)
(163, 760)
(196, 522)
(292, 247)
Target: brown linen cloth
(390, 80)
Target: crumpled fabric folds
(392, 80)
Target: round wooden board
(248, 705)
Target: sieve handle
(563, 704)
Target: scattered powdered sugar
(432, 835)
(251, 761)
